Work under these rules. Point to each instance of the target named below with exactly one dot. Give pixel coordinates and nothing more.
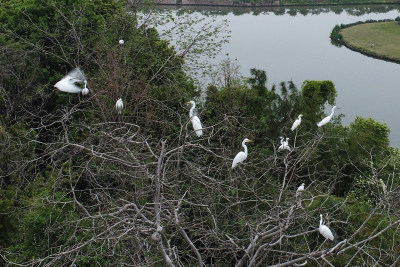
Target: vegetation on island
(288, 2)
(336, 2)
(353, 10)
(377, 39)
(82, 185)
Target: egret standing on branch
(280, 148)
(300, 190)
(85, 90)
(296, 123)
(242, 155)
(68, 83)
(286, 144)
(324, 230)
(195, 120)
(383, 185)
(326, 119)
(119, 106)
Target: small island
(378, 39)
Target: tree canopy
(84, 185)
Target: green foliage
(350, 213)
(367, 189)
(7, 219)
(13, 172)
(334, 2)
(335, 34)
(368, 137)
(369, 150)
(314, 96)
(285, 108)
(40, 217)
(313, 2)
(258, 81)
(71, 165)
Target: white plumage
(296, 123)
(242, 155)
(85, 90)
(300, 190)
(119, 106)
(284, 144)
(324, 230)
(121, 42)
(68, 83)
(327, 119)
(383, 185)
(280, 148)
(195, 120)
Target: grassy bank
(378, 39)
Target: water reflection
(353, 10)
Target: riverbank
(375, 39)
(263, 3)
(226, 3)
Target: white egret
(296, 123)
(327, 119)
(286, 144)
(242, 155)
(300, 190)
(324, 230)
(280, 148)
(121, 42)
(85, 90)
(68, 83)
(383, 185)
(195, 120)
(119, 106)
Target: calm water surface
(293, 44)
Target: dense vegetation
(378, 39)
(84, 186)
(353, 10)
(336, 2)
(297, 2)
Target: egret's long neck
(333, 110)
(191, 110)
(320, 222)
(245, 147)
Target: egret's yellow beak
(187, 103)
(250, 141)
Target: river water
(293, 43)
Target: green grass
(384, 35)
